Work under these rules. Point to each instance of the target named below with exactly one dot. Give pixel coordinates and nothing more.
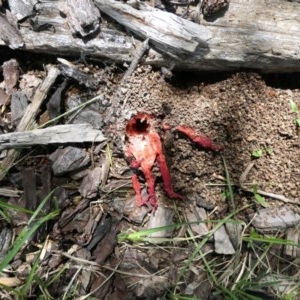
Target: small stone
(251, 138)
(223, 244)
(199, 214)
(274, 219)
(163, 216)
(124, 91)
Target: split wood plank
(59, 134)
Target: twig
(117, 95)
(242, 181)
(95, 264)
(136, 59)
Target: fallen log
(262, 35)
(259, 35)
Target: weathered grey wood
(82, 15)
(28, 120)
(60, 134)
(11, 74)
(69, 159)
(22, 8)
(167, 32)
(110, 45)
(18, 104)
(9, 34)
(261, 35)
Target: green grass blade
(4, 205)
(137, 236)
(142, 235)
(57, 276)
(43, 288)
(270, 240)
(40, 207)
(5, 216)
(24, 235)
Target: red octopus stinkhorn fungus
(144, 147)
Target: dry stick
(28, 120)
(136, 59)
(10, 192)
(242, 181)
(95, 264)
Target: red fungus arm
(150, 179)
(137, 188)
(201, 140)
(161, 160)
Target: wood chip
(22, 8)
(292, 235)
(68, 160)
(163, 216)
(82, 15)
(19, 102)
(10, 281)
(11, 74)
(90, 184)
(9, 34)
(199, 214)
(28, 120)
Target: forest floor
(84, 252)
